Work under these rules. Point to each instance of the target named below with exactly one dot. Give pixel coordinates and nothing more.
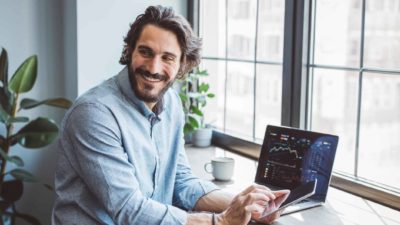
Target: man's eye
(145, 53)
(169, 58)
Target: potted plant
(33, 134)
(194, 93)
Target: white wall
(78, 44)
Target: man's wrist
(218, 219)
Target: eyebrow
(144, 47)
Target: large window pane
(268, 97)
(382, 34)
(214, 113)
(338, 32)
(380, 129)
(213, 27)
(270, 30)
(241, 28)
(334, 110)
(240, 98)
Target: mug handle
(207, 168)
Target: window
(355, 73)
(243, 51)
(352, 77)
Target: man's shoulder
(102, 93)
(98, 98)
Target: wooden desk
(341, 208)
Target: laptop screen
(291, 157)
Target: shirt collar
(124, 82)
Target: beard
(145, 94)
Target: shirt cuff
(204, 188)
(174, 215)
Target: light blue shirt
(120, 163)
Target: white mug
(221, 168)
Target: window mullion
(255, 72)
(359, 102)
(295, 61)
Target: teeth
(151, 79)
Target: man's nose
(155, 65)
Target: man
(122, 158)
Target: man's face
(155, 63)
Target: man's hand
(249, 204)
(265, 216)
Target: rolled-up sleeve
(94, 148)
(188, 187)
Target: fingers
(251, 203)
(254, 208)
(254, 187)
(281, 192)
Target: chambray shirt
(120, 163)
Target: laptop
(292, 157)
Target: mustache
(143, 72)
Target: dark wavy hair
(165, 18)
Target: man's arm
(215, 201)
(92, 143)
(233, 210)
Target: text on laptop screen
(291, 157)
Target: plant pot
(202, 137)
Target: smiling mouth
(146, 75)
(151, 78)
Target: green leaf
(28, 103)
(28, 218)
(193, 121)
(184, 87)
(17, 161)
(2, 140)
(14, 159)
(197, 111)
(4, 67)
(183, 97)
(4, 155)
(23, 175)
(202, 73)
(12, 190)
(210, 95)
(17, 120)
(6, 99)
(204, 87)
(25, 76)
(187, 128)
(4, 116)
(38, 133)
